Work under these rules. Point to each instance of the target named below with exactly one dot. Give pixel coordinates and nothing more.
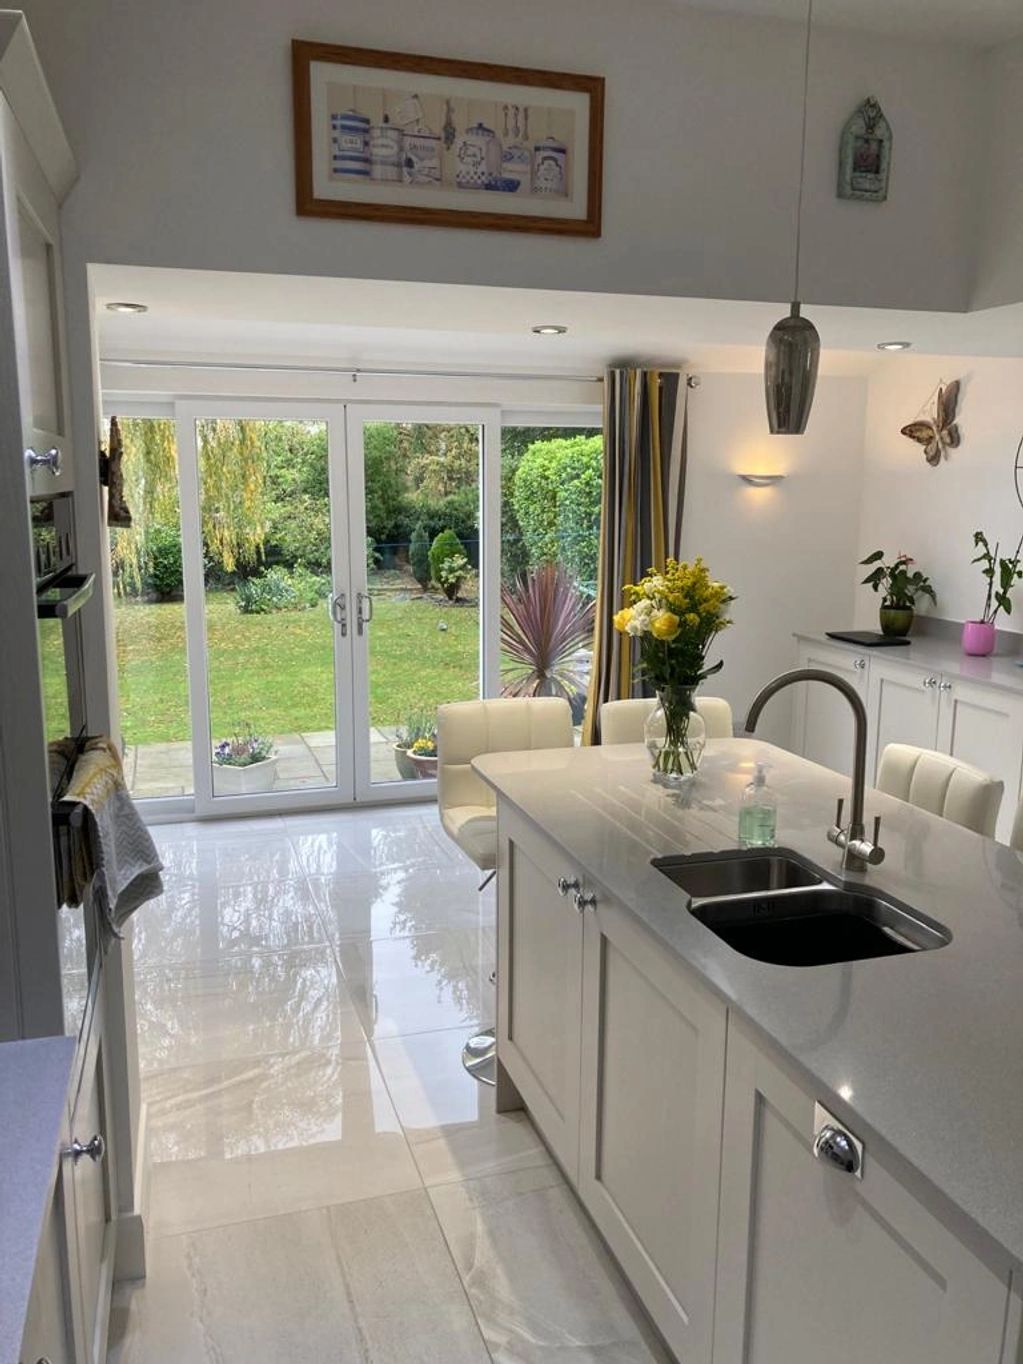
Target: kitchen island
(675, 1079)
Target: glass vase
(675, 735)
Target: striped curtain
(641, 512)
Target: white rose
(636, 626)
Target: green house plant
(244, 764)
(417, 726)
(899, 588)
(1002, 576)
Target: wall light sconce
(761, 480)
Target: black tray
(870, 639)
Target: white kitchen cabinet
(539, 974)
(814, 1263)
(46, 1323)
(653, 1057)
(823, 722)
(984, 726)
(902, 705)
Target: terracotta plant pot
(403, 762)
(896, 621)
(978, 638)
(244, 781)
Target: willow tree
(233, 496)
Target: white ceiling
(203, 315)
(975, 23)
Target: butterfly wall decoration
(939, 433)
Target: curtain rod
(692, 380)
(354, 371)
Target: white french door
(332, 680)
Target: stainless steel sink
(777, 907)
(742, 872)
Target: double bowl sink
(775, 906)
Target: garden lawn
(275, 672)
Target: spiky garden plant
(545, 621)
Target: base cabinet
(823, 722)
(539, 973)
(814, 1263)
(653, 1057)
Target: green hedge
(556, 493)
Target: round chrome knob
(930, 682)
(95, 1149)
(567, 884)
(837, 1148)
(946, 686)
(859, 663)
(585, 901)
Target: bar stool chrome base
(479, 1056)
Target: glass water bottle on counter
(758, 812)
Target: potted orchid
(244, 764)
(675, 614)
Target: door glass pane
(422, 491)
(149, 614)
(265, 510)
(550, 536)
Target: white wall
(180, 116)
(1000, 246)
(932, 513)
(785, 550)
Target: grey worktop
(936, 654)
(34, 1079)
(925, 1050)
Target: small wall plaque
(865, 154)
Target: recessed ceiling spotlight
(550, 329)
(894, 345)
(127, 308)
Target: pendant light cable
(802, 152)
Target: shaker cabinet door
(539, 969)
(823, 721)
(983, 726)
(815, 1264)
(902, 705)
(653, 1058)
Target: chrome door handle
(50, 459)
(834, 1146)
(567, 884)
(95, 1149)
(585, 900)
(339, 610)
(363, 610)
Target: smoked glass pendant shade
(790, 373)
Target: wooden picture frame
(410, 141)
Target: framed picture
(405, 139)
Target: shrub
(446, 546)
(298, 532)
(556, 493)
(419, 555)
(278, 590)
(453, 573)
(164, 575)
(545, 621)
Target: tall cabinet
(55, 976)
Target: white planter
(244, 781)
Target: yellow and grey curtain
(641, 511)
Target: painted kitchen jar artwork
(416, 139)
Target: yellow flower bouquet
(675, 614)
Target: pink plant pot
(978, 638)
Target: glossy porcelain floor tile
(238, 860)
(400, 901)
(542, 1286)
(244, 1005)
(236, 1140)
(199, 921)
(422, 983)
(448, 1117)
(361, 1283)
(400, 837)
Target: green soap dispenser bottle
(758, 812)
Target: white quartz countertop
(925, 1050)
(34, 1078)
(940, 656)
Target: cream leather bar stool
(942, 785)
(621, 722)
(468, 807)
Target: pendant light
(794, 346)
